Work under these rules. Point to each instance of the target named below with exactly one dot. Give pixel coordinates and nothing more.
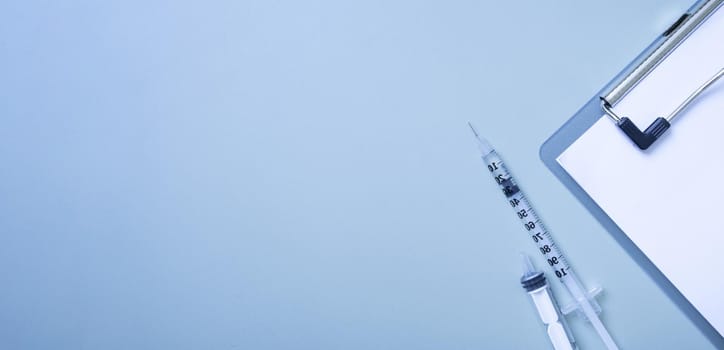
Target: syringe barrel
(537, 232)
(529, 220)
(537, 287)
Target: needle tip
(475, 132)
(528, 267)
(485, 147)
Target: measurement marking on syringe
(534, 227)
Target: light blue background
(299, 175)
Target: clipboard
(582, 153)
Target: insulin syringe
(534, 228)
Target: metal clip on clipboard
(669, 40)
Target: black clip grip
(646, 138)
(643, 139)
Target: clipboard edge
(549, 152)
(568, 133)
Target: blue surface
(288, 175)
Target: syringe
(535, 284)
(537, 232)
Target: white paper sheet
(669, 200)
